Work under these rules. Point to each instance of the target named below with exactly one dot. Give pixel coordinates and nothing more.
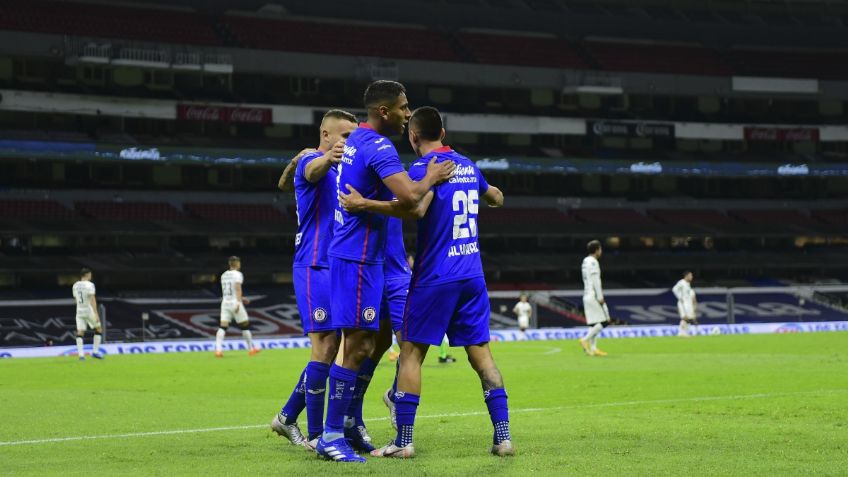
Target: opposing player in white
(232, 308)
(594, 306)
(687, 304)
(87, 315)
(523, 311)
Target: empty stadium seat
(34, 209)
(612, 216)
(129, 210)
(236, 212)
(344, 39)
(795, 64)
(521, 50)
(659, 58)
(99, 20)
(691, 216)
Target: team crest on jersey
(319, 315)
(369, 314)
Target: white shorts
(86, 321)
(686, 311)
(524, 322)
(595, 313)
(229, 312)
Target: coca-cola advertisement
(225, 114)
(781, 134)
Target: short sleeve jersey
(228, 281)
(368, 159)
(591, 272)
(83, 290)
(316, 205)
(448, 249)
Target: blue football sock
(342, 385)
(499, 413)
(297, 401)
(406, 405)
(363, 379)
(316, 386)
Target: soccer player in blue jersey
(448, 293)
(315, 192)
(370, 164)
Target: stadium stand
(504, 49)
(348, 39)
(129, 210)
(34, 209)
(637, 55)
(235, 212)
(109, 21)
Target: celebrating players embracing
(448, 293)
(370, 164)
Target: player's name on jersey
(463, 249)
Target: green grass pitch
(718, 405)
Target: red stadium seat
(34, 209)
(236, 212)
(129, 210)
(658, 58)
(521, 50)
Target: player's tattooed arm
(318, 167)
(493, 197)
(354, 202)
(286, 182)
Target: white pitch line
(553, 351)
(431, 416)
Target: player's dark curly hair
(427, 123)
(593, 246)
(382, 93)
(85, 271)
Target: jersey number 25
(463, 205)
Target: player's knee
(244, 325)
(224, 325)
(80, 333)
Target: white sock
(80, 351)
(593, 331)
(219, 339)
(97, 339)
(248, 338)
(593, 343)
(684, 328)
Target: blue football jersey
(316, 204)
(368, 158)
(447, 235)
(395, 265)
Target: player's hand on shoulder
(245, 301)
(353, 201)
(601, 301)
(335, 154)
(302, 153)
(442, 171)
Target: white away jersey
(83, 290)
(228, 281)
(522, 309)
(591, 271)
(684, 292)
